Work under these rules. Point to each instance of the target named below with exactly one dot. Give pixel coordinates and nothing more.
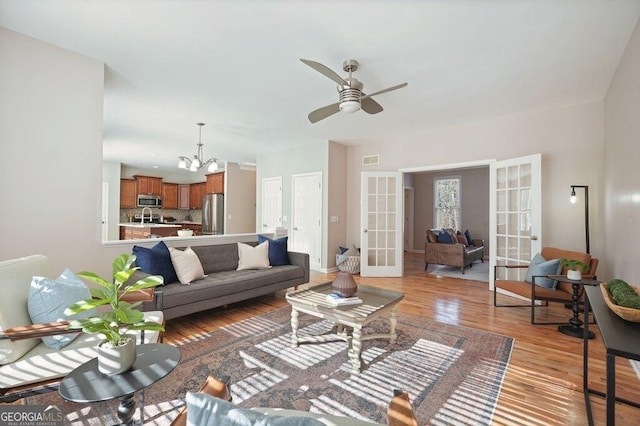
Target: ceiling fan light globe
(349, 106)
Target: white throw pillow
(187, 265)
(250, 257)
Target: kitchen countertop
(149, 225)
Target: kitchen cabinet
(215, 183)
(183, 197)
(127, 194)
(148, 185)
(170, 195)
(196, 191)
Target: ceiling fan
(350, 91)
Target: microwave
(150, 201)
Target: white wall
(239, 199)
(111, 175)
(336, 232)
(570, 140)
(621, 229)
(51, 153)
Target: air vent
(371, 160)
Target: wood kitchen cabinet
(196, 191)
(170, 195)
(149, 185)
(183, 196)
(215, 183)
(128, 194)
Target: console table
(87, 384)
(620, 338)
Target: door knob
(534, 238)
(365, 230)
(295, 228)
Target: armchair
(27, 366)
(563, 293)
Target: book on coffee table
(335, 299)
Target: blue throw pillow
(156, 261)
(540, 266)
(48, 300)
(204, 409)
(278, 251)
(444, 237)
(467, 234)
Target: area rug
(453, 374)
(478, 272)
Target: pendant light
(198, 163)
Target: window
(446, 201)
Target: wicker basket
(350, 264)
(629, 314)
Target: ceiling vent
(371, 160)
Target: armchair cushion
(49, 298)
(468, 235)
(540, 266)
(445, 238)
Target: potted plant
(575, 269)
(117, 352)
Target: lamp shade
(344, 284)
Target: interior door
(271, 203)
(515, 219)
(307, 216)
(381, 247)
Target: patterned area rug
(478, 272)
(453, 374)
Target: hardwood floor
(543, 385)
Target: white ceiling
(235, 65)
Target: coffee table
(86, 384)
(376, 302)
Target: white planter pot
(116, 360)
(574, 275)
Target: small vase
(115, 360)
(574, 275)
(344, 284)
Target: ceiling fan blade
(370, 106)
(388, 89)
(324, 112)
(322, 69)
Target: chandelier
(198, 163)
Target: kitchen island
(138, 231)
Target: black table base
(575, 330)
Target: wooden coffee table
(376, 302)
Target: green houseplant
(575, 268)
(123, 316)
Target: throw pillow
(250, 257)
(445, 238)
(468, 235)
(156, 261)
(203, 409)
(278, 251)
(187, 265)
(462, 239)
(49, 298)
(540, 266)
(431, 236)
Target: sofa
(26, 363)
(455, 253)
(223, 283)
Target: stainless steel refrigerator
(213, 214)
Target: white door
(105, 211)
(307, 216)
(515, 218)
(271, 203)
(381, 247)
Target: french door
(381, 246)
(515, 219)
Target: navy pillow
(467, 234)
(156, 261)
(444, 237)
(278, 253)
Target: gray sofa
(224, 284)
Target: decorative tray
(629, 314)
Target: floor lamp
(573, 200)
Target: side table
(574, 328)
(86, 384)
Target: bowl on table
(185, 233)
